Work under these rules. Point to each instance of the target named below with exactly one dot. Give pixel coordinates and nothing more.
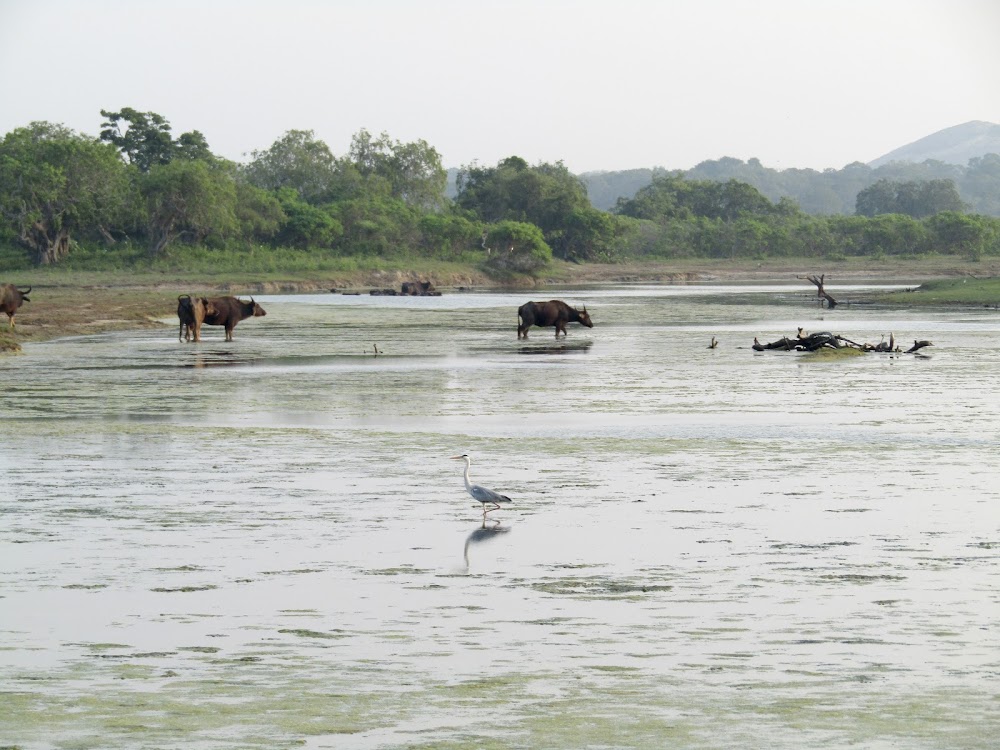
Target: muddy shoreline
(62, 306)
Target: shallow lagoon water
(264, 543)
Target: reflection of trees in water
(489, 530)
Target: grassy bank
(67, 303)
(964, 291)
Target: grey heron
(481, 494)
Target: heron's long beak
(458, 457)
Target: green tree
(587, 234)
(981, 184)
(877, 198)
(190, 200)
(55, 183)
(964, 234)
(258, 212)
(545, 195)
(297, 160)
(672, 196)
(144, 139)
(447, 235)
(192, 146)
(412, 171)
(659, 200)
(306, 225)
(515, 247)
(378, 224)
(937, 196)
(894, 234)
(916, 198)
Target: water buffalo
(191, 312)
(12, 298)
(418, 289)
(553, 313)
(228, 311)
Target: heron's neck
(468, 484)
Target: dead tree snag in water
(820, 291)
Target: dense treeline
(703, 218)
(832, 191)
(137, 197)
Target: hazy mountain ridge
(968, 154)
(955, 145)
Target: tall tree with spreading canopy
(546, 195)
(413, 171)
(144, 139)
(188, 199)
(54, 183)
(916, 198)
(672, 196)
(297, 160)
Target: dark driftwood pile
(810, 342)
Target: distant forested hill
(833, 191)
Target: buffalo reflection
(218, 359)
(489, 530)
(572, 348)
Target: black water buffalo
(12, 298)
(191, 312)
(418, 289)
(553, 313)
(228, 311)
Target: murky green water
(264, 544)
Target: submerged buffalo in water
(419, 289)
(553, 313)
(228, 311)
(12, 298)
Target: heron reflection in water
(483, 534)
(481, 494)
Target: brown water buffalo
(12, 298)
(553, 313)
(228, 311)
(191, 312)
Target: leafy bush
(516, 248)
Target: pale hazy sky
(596, 84)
